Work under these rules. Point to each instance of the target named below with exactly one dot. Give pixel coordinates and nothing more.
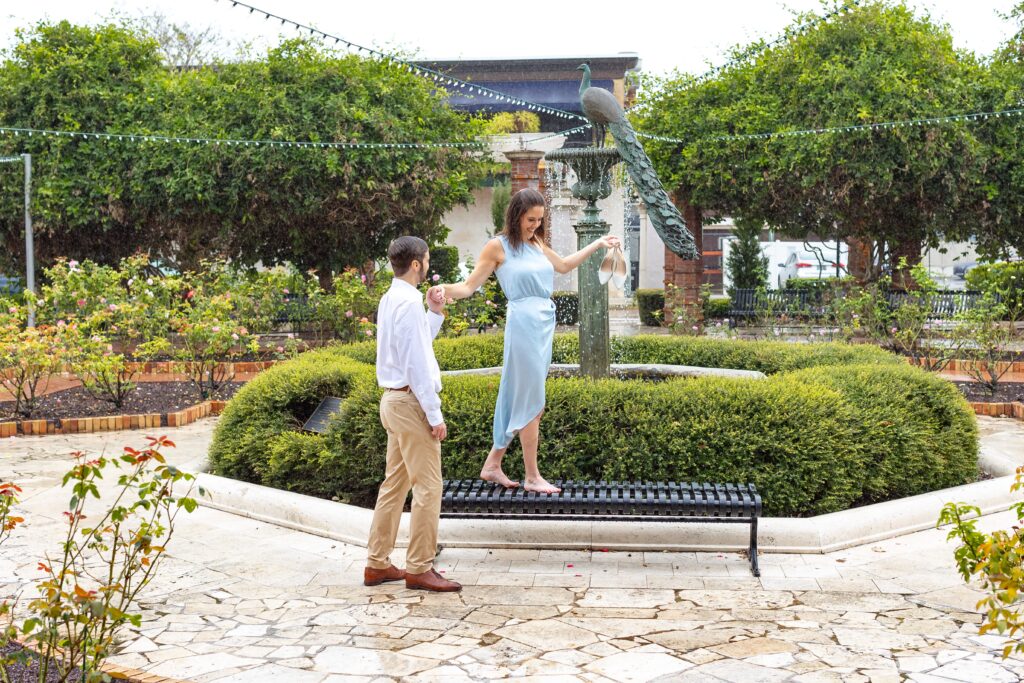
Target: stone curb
(820, 534)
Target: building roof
(536, 69)
(552, 82)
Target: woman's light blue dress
(527, 278)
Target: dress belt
(524, 298)
(405, 388)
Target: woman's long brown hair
(518, 205)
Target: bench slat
(612, 501)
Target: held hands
(436, 299)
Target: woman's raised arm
(490, 258)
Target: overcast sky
(682, 34)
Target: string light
(129, 137)
(471, 88)
(882, 125)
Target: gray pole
(30, 255)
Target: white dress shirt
(405, 350)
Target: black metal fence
(802, 303)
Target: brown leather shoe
(430, 580)
(375, 577)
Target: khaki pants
(413, 461)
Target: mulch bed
(1006, 392)
(148, 397)
(30, 674)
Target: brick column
(525, 169)
(686, 274)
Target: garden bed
(148, 397)
(19, 673)
(1006, 392)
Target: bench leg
(753, 548)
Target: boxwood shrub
(650, 303)
(833, 426)
(275, 404)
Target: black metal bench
(610, 501)
(748, 303)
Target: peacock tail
(663, 214)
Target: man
(410, 411)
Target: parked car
(961, 268)
(807, 265)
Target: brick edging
(1014, 409)
(959, 365)
(111, 423)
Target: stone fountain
(593, 167)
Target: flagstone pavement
(242, 600)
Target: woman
(525, 267)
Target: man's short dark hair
(403, 251)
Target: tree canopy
(317, 208)
(888, 187)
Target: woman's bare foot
(540, 486)
(496, 476)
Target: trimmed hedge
(717, 308)
(769, 357)
(650, 302)
(916, 431)
(273, 405)
(832, 427)
(444, 261)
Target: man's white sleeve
(416, 356)
(435, 320)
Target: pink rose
(215, 329)
(234, 336)
(112, 307)
(369, 333)
(280, 349)
(349, 314)
(12, 309)
(81, 303)
(436, 277)
(363, 277)
(285, 290)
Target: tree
(181, 46)
(317, 208)
(507, 122)
(885, 187)
(1001, 221)
(66, 77)
(500, 198)
(323, 209)
(748, 267)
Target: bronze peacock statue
(605, 113)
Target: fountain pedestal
(593, 169)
